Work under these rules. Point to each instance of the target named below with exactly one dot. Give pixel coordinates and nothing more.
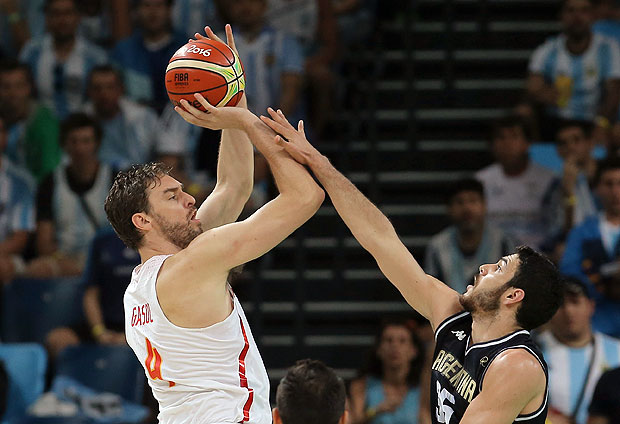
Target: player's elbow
(313, 199)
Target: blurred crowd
(82, 96)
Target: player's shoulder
(518, 361)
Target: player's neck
(491, 326)
(157, 246)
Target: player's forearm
(367, 223)
(290, 177)
(235, 166)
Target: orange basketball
(207, 67)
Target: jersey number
(153, 363)
(443, 412)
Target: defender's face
(396, 347)
(485, 293)
(173, 212)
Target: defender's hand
(297, 145)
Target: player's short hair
(310, 393)
(610, 163)
(585, 126)
(128, 196)
(465, 184)
(76, 121)
(539, 278)
(510, 121)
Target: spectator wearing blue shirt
(191, 16)
(593, 249)
(143, 56)
(273, 60)
(16, 213)
(61, 59)
(576, 75)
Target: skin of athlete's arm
(191, 286)
(514, 382)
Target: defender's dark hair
(585, 126)
(539, 278)
(79, 120)
(128, 196)
(608, 164)
(373, 364)
(465, 184)
(310, 393)
(510, 121)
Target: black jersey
(458, 371)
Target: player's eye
(499, 267)
(174, 196)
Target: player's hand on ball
(214, 118)
(297, 145)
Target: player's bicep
(514, 384)
(430, 297)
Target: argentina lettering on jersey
(458, 369)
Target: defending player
(485, 369)
(181, 318)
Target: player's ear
(514, 295)
(276, 416)
(141, 221)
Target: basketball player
(485, 368)
(182, 320)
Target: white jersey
(209, 375)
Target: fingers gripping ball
(208, 67)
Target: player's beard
(179, 234)
(486, 302)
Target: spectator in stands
(191, 16)
(455, 254)
(605, 405)
(132, 132)
(61, 59)
(144, 55)
(577, 355)
(576, 75)
(310, 393)
(32, 128)
(607, 19)
(70, 202)
(570, 199)
(106, 275)
(592, 250)
(13, 26)
(514, 186)
(387, 390)
(16, 213)
(273, 61)
(314, 24)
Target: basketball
(207, 67)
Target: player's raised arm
(235, 166)
(427, 295)
(300, 197)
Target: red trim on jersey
(243, 380)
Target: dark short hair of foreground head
(128, 196)
(539, 278)
(310, 393)
(510, 121)
(465, 184)
(610, 163)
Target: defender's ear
(514, 295)
(141, 221)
